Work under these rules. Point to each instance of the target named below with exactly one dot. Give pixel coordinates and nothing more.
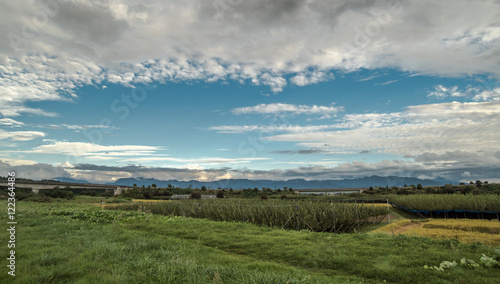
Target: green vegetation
(75, 241)
(314, 216)
(487, 202)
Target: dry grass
(468, 225)
(464, 230)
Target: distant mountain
(70, 180)
(364, 182)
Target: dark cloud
(90, 23)
(98, 173)
(36, 171)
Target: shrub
(220, 194)
(264, 197)
(195, 195)
(40, 199)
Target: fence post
(388, 215)
(334, 219)
(357, 214)
(374, 216)
(298, 219)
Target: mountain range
(364, 182)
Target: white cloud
(435, 128)
(17, 162)
(94, 151)
(76, 127)
(200, 161)
(304, 79)
(270, 128)
(10, 122)
(133, 42)
(441, 92)
(477, 93)
(281, 108)
(488, 95)
(20, 135)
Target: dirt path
(407, 227)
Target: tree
(154, 185)
(419, 186)
(479, 183)
(203, 188)
(220, 194)
(448, 188)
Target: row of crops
(454, 205)
(328, 217)
(489, 202)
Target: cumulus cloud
(476, 93)
(52, 49)
(355, 169)
(433, 128)
(441, 92)
(34, 171)
(304, 79)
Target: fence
(343, 216)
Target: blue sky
(228, 89)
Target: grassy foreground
(80, 243)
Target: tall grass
(314, 216)
(432, 202)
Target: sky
(284, 89)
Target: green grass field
(77, 242)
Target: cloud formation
(20, 135)
(69, 44)
(283, 109)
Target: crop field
(465, 231)
(314, 216)
(150, 200)
(74, 241)
(435, 202)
